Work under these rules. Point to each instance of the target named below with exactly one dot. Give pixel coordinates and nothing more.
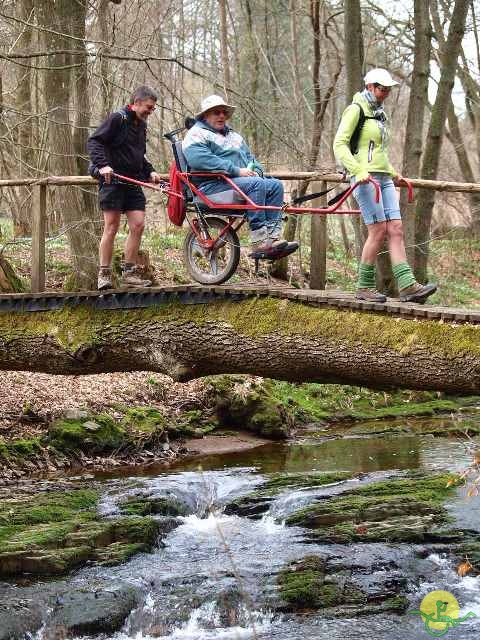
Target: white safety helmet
(380, 76)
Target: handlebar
(409, 186)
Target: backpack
(93, 170)
(177, 204)
(358, 129)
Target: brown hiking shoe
(104, 279)
(371, 295)
(268, 246)
(132, 278)
(417, 292)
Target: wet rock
(307, 584)
(396, 510)
(19, 616)
(163, 505)
(93, 611)
(54, 532)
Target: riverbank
(51, 424)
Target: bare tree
(435, 136)
(416, 115)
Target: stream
(214, 576)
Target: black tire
(212, 267)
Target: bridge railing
(39, 203)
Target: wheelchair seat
(227, 196)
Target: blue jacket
(207, 149)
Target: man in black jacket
(119, 146)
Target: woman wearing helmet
(365, 158)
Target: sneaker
(371, 295)
(104, 279)
(417, 292)
(132, 278)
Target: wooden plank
(38, 237)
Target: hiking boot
(268, 246)
(417, 292)
(283, 253)
(371, 295)
(104, 279)
(132, 278)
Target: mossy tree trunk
(270, 337)
(9, 281)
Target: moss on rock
(247, 403)
(397, 510)
(99, 435)
(51, 533)
(163, 506)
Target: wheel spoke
(213, 262)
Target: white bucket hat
(380, 76)
(210, 102)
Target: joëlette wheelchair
(211, 247)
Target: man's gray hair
(143, 93)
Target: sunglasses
(381, 88)
(218, 112)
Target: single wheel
(212, 266)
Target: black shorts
(121, 197)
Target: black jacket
(127, 158)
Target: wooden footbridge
(190, 331)
(198, 294)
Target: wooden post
(318, 256)
(38, 237)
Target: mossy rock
(244, 403)
(100, 434)
(397, 510)
(255, 504)
(304, 584)
(147, 420)
(163, 506)
(21, 449)
(54, 532)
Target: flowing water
(214, 576)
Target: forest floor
(30, 402)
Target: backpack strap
(123, 131)
(354, 140)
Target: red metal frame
(209, 243)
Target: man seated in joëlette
(212, 145)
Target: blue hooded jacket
(225, 151)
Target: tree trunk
(416, 112)
(227, 83)
(9, 281)
(271, 337)
(82, 104)
(56, 18)
(354, 67)
(25, 165)
(434, 139)
(455, 136)
(320, 108)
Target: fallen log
(271, 337)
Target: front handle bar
(408, 184)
